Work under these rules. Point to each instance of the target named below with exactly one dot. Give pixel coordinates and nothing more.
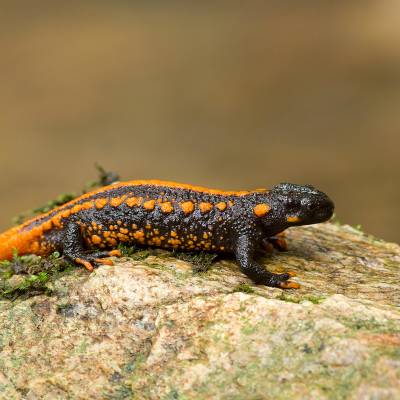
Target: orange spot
(112, 241)
(115, 253)
(205, 236)
(205, 207)
(187, 207)
(221, 206)
(293, 219)
(106, 234)
(119, 222)
(174, 242)
(261, 209)
(87, 205)
(122, 237)
(132, 201)
(117, 201)
(66, 213)
(124, 230)
(231, 203)
(47, 225)
(96, 239)
(166, 207)
(149, 205)
(100, 203)
(75, 209)
(56, 220)
(138, 235)
(173, 234)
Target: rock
(152, 329)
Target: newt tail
(13, 240)
(173, 216)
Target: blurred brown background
(223, 94)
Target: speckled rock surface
(153, 329)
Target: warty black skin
(237, 229)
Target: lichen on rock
(151, 328)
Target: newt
(173, 216)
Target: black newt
(171, 215)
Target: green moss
(243, 287)
(121, 393)
(335, 220)
(82, 347)
(371, 325)
(248, 329)
(201, 261)
(358, 228)
(104, 178)
(314, 299)
(135, 253)
(172, 395)
(35, 275)
(298, 299)
(65, 309)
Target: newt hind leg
(74, 250)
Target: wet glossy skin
(174, 216)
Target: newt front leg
(245, 251)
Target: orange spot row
(100, 203)
(260, 210)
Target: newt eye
(292, 204)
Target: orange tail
(16, 240)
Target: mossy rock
(152, 328)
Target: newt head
(303, 204)
(293, 205)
